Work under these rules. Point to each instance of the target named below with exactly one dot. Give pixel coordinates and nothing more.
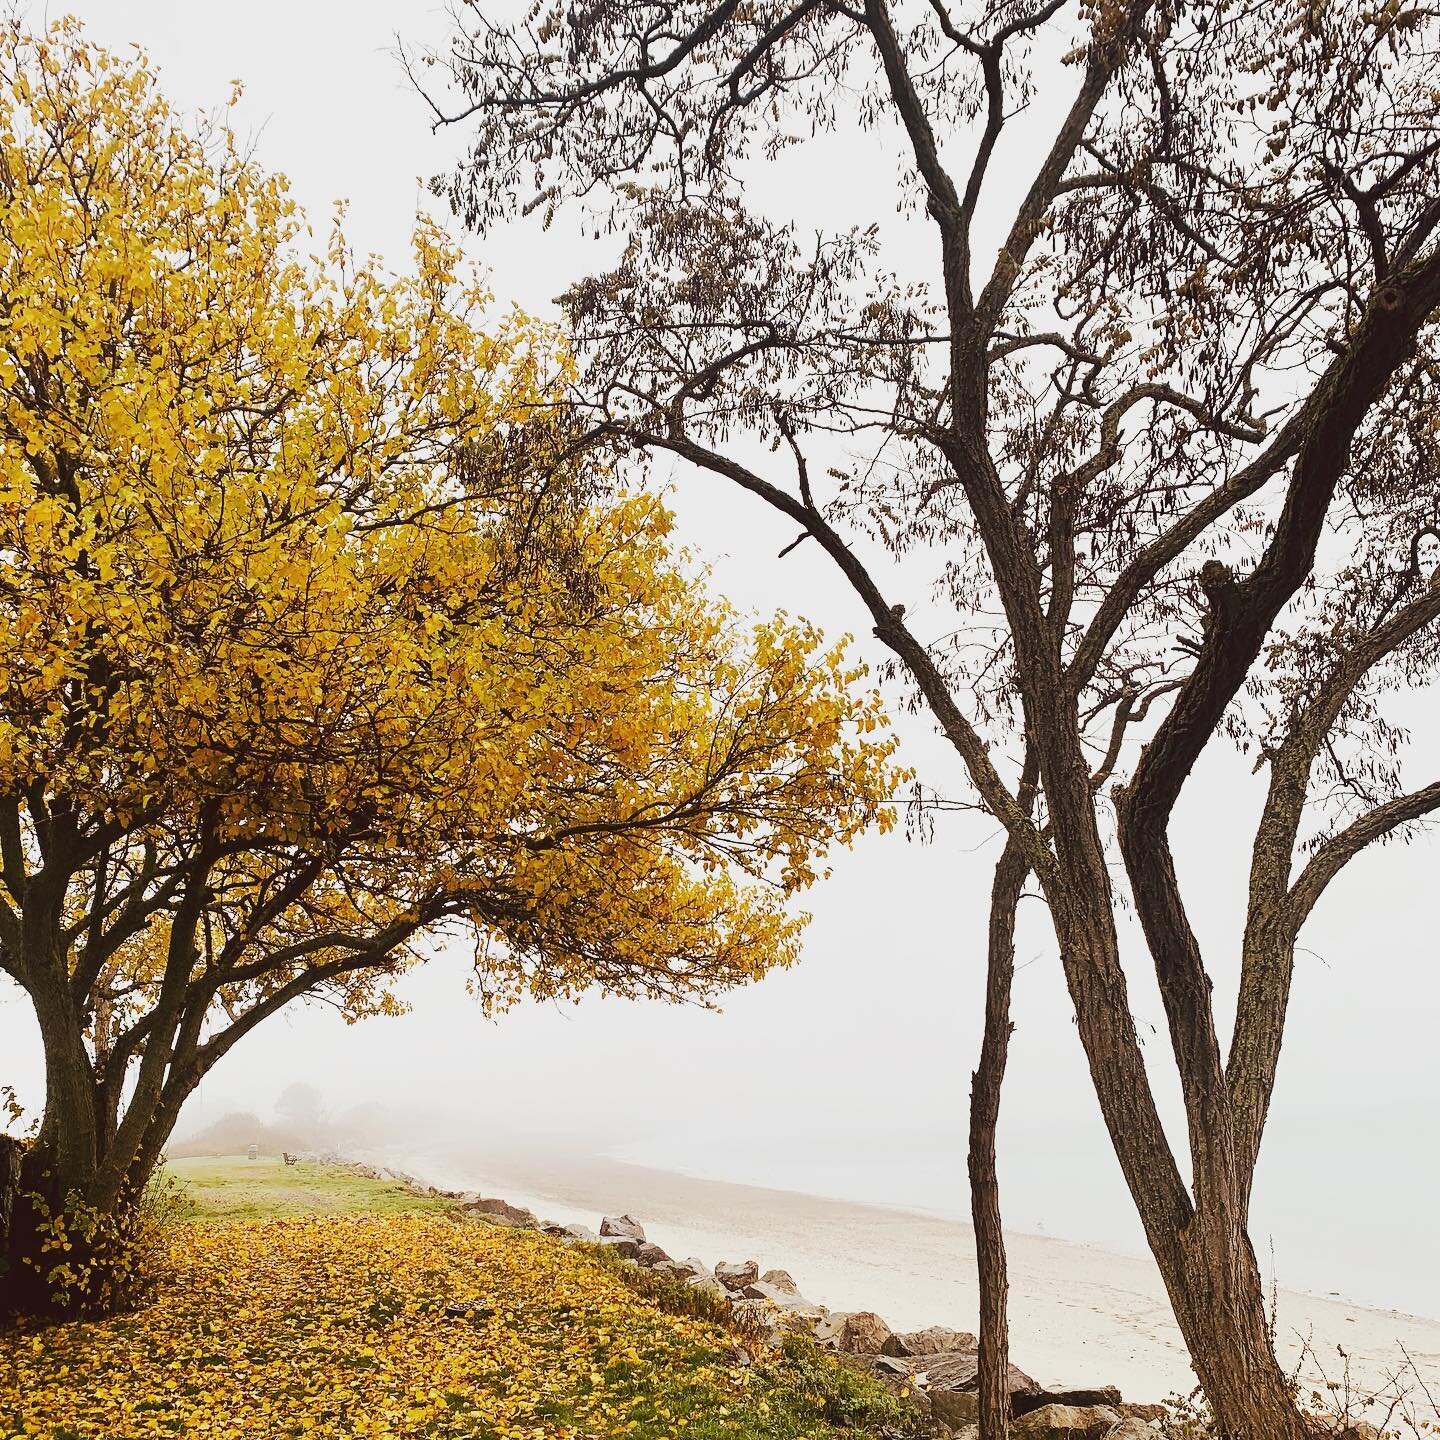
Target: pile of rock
(937, 1366)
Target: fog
(847, 1075)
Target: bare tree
(1166, 455)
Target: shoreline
(1080, 1315)
(947, 1217)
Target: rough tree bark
(11, 1156)
(994, 1395)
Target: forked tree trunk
(1197, 1232)
(1219, 1301)
(58, 1172)
(994, 1394)
(1211, 1276)
(62, 1161)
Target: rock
(1143, 1412)
(625, 1245)
(934, 1340)
(1068, 1422)
(626, 1225)
(884, 1367)
(1132, 1428)
(683, 1269)
(756, 1319)
(581, 1232)
(1094, 1395)
(710, 1285)
(956, 1373)
(736, 1274)
(781, 1280)
(954, 1407)
(858, 1332)
(648, 1253)
(782, 1299)
(500, 1211)
(793, 1308)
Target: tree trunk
(58, 1172)
(75, 1162)
(61, 1163)
(1219, 1301)
(1199, 1241)
(1207, 1262)
(12, 1153)
(994, 1393)
(23, 1262)
(70, 1130)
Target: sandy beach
(1078, 1314)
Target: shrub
(91, 1262)
(845, 1397)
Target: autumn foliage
(343, 1327)
(315, 658)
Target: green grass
(230, 1187)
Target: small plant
(673, 1295)
(1333, 1403)
(845, 1397)
(1336, 1403)
(12, 1112)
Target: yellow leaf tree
(314, 665)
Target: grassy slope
(231, 1187)
(307, 1301)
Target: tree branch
(1108, 52)
(1337, 852)
(888, 628)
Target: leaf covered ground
(336, 1325)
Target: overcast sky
(850, 1073)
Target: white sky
(850, 1073)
